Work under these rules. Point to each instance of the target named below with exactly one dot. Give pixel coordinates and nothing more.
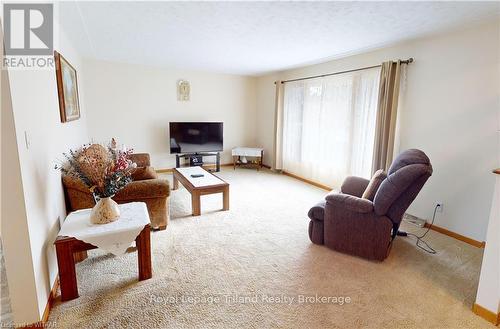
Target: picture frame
(67, 89)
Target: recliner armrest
(350, 202)
(317, 212)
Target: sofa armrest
(145, 189)
(354, 185)
(350, 202)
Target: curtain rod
(408, 61)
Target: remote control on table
(197, 175)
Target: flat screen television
(196, 137)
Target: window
(329, 126)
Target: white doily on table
(114, 237)
(247, 151)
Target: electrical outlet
(439, 206)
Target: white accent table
(79, 234)
(240, 153)
(208, 183)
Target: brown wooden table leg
(225, 198)
(175, 183)
(143, 243)
(195, 203)
(80, 256)
(67, 272)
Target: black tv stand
(191, 156)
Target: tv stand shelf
(196, 158)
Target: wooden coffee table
(208, 184)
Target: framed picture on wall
(67, 89)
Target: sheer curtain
(329, 126)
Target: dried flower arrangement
(104, 170)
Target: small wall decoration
(183, 90)
(67, 89)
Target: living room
(268, 259)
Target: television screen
(195, 137)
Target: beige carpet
(260, 249)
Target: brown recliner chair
(348, 223)
(145, 187)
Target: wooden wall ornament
(183, 90)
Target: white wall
(15, 238)
(488, 291)
(450, 112)
(36, 112)
(135, 103)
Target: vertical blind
(329, 126)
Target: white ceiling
(254, 37)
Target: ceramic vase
(105, 211)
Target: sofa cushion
(375, 182)
(141, 159)
(144, 189)
(355, 186)
(71, 182)
(411, 156)
(143, 173)
(396, 184)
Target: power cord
(421, 243)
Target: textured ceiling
(253, 37)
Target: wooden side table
(77, 234)
(253, 152)
(66, 246)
